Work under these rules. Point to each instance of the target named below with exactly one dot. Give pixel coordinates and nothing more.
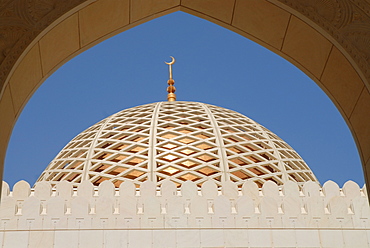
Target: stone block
(230, 190)
(147, 189)
(260, 238)
(168, 189)
(106, 189)
(261, 19)
(212, 238)
(7, 209)
(219, 9)
(164, 238)
(284, 238)
(21, 190)
(189, 190)
(245, 207)
(236, 238)
(64, 190)
(330, 190)
(311, 189)
(188, 238)
(59, 43)
(306, 46)
(8, 118)
(341, 82)
(271, 189)
(355, 238)
(360, 122)
(127, 188)
(351, 190)
(85, 189)
(68, 239)
(115, 238)
(307, 238)
(140, 238)
(5, 190)
(269, 207)
(17, 239)
(26, 79)
(290, 188)
(91, 238)
(250, 189)
(291, 206)
(41, 239)
(43, 190)
(332, 238)
(209, 189)
(101, 18)
(144, 8)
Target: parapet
(128, 207)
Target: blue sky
(214, 65)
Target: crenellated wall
(128, 207)
(306, 217)
(326, 39)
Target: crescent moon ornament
(172, 62)
(171, 89)
(170, 65)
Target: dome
(180, 141)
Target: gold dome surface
(180, 141)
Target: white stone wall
(168, 217)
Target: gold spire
(171, 97)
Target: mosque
(181, 174)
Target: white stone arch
(331, 49)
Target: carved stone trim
(20, 23)
(347, 21)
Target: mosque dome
(180, 141)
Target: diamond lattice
(180, 141)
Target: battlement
(104, 206)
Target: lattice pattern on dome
(181, 141)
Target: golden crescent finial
(171, 89)
(170, 65)
(172, 62)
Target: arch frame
(298, 31)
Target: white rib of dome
(181, 141)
